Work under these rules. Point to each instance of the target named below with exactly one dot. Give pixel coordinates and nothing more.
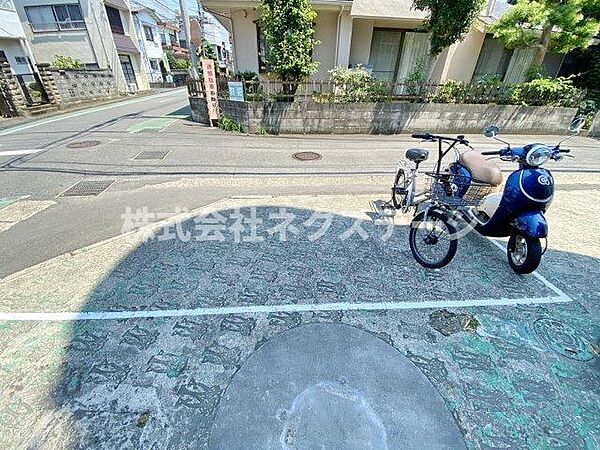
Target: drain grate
(83, 144)
(87, 188)
(152, 154)
(306, 156)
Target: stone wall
(391, 118)
(595, 129)
(84, 85)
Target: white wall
(77, 43)
(13, 48)
(325, 33)
(244, 39)
(362, 33)
(11, 25)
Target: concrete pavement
(112, 340)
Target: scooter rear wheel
(524, 253)
(433, 241)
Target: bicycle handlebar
(432, 137)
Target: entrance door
(128, 70)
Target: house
(385, 36)
(171, 39)
(213, 32)
(149, 42)
(14, 48)
(100, 34)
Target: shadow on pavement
(511, 377)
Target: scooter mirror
(577, 124)
(491, 131)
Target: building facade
(385, 36)
(149, 42)
(14, 48)
(100, 34)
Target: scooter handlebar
(565, 150)
(491, 153)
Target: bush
(547, 92)
(66, 62)
(352, 86)
(227, 123)
(587, 109)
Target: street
(169, 311)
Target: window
(148, 33)
(7, 4)
(55, 17)
(263, 51)
(114, 18)
(21, 60)
(154, 64)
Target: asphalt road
(40, 160)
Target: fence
(453, 92)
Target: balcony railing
(58, 26)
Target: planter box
(388, 118)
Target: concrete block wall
(595, 129)
(84, 85)
(392, 118)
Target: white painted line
(20, 152)
(265, 309)
(543, 279)
(84, 112)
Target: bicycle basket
(456, 190)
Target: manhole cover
(563, 339)
(83, 144)
(87, 188)
(306, 156)
(152, 154)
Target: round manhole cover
(306, 156)
(563, 339)
(83, 144)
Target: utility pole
(188, 38)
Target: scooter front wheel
(432, 239)
(524, 253)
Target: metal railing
(332, 92)
(55, 26)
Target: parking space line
(265, 309)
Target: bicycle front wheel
(432, 240)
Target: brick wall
(391, 118)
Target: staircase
(38, 110)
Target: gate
(32, 88)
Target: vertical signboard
(210, 87)
(236, 91)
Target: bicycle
(433, 235)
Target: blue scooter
(517, 211)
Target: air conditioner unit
(133, 88)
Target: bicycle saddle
(481, 169)
(417, 154)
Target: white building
(101, 34)
(149, 42)
(13, 44)
(384, 35)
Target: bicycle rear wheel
(433, 241)
(400, 190)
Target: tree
(209, 50)
(556, 25)
(289, 33)
(448, 22)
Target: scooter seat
(481, 169)
(417, 154)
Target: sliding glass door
(395, 53)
